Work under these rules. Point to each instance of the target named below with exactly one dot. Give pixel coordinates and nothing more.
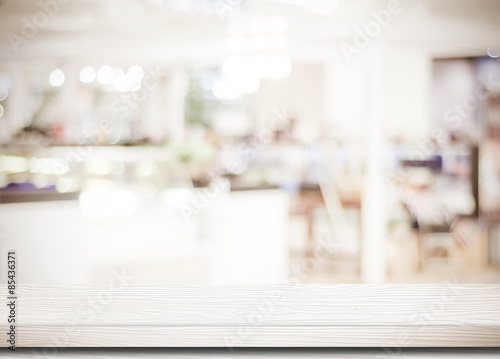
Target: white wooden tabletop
(382, 316)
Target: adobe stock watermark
(453, 117)
(31, 26)
(255, 317)
(364, 36)
(120, 109)
(200, 199)
(85, 314)
(422, 318)
(461, 112)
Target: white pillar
(373, 213)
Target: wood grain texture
(264, 336)
(257, 315)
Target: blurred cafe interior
(250, 141)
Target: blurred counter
(27, 192)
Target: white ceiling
(130, 30)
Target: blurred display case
(63, 172)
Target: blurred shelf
(18, 196)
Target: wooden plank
(263, 336)
(417, 305)
(257, 315)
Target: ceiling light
(135, 73)
(87, 74)
(56, 78)
(225, 90)
(122, 83)
(105, 75)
